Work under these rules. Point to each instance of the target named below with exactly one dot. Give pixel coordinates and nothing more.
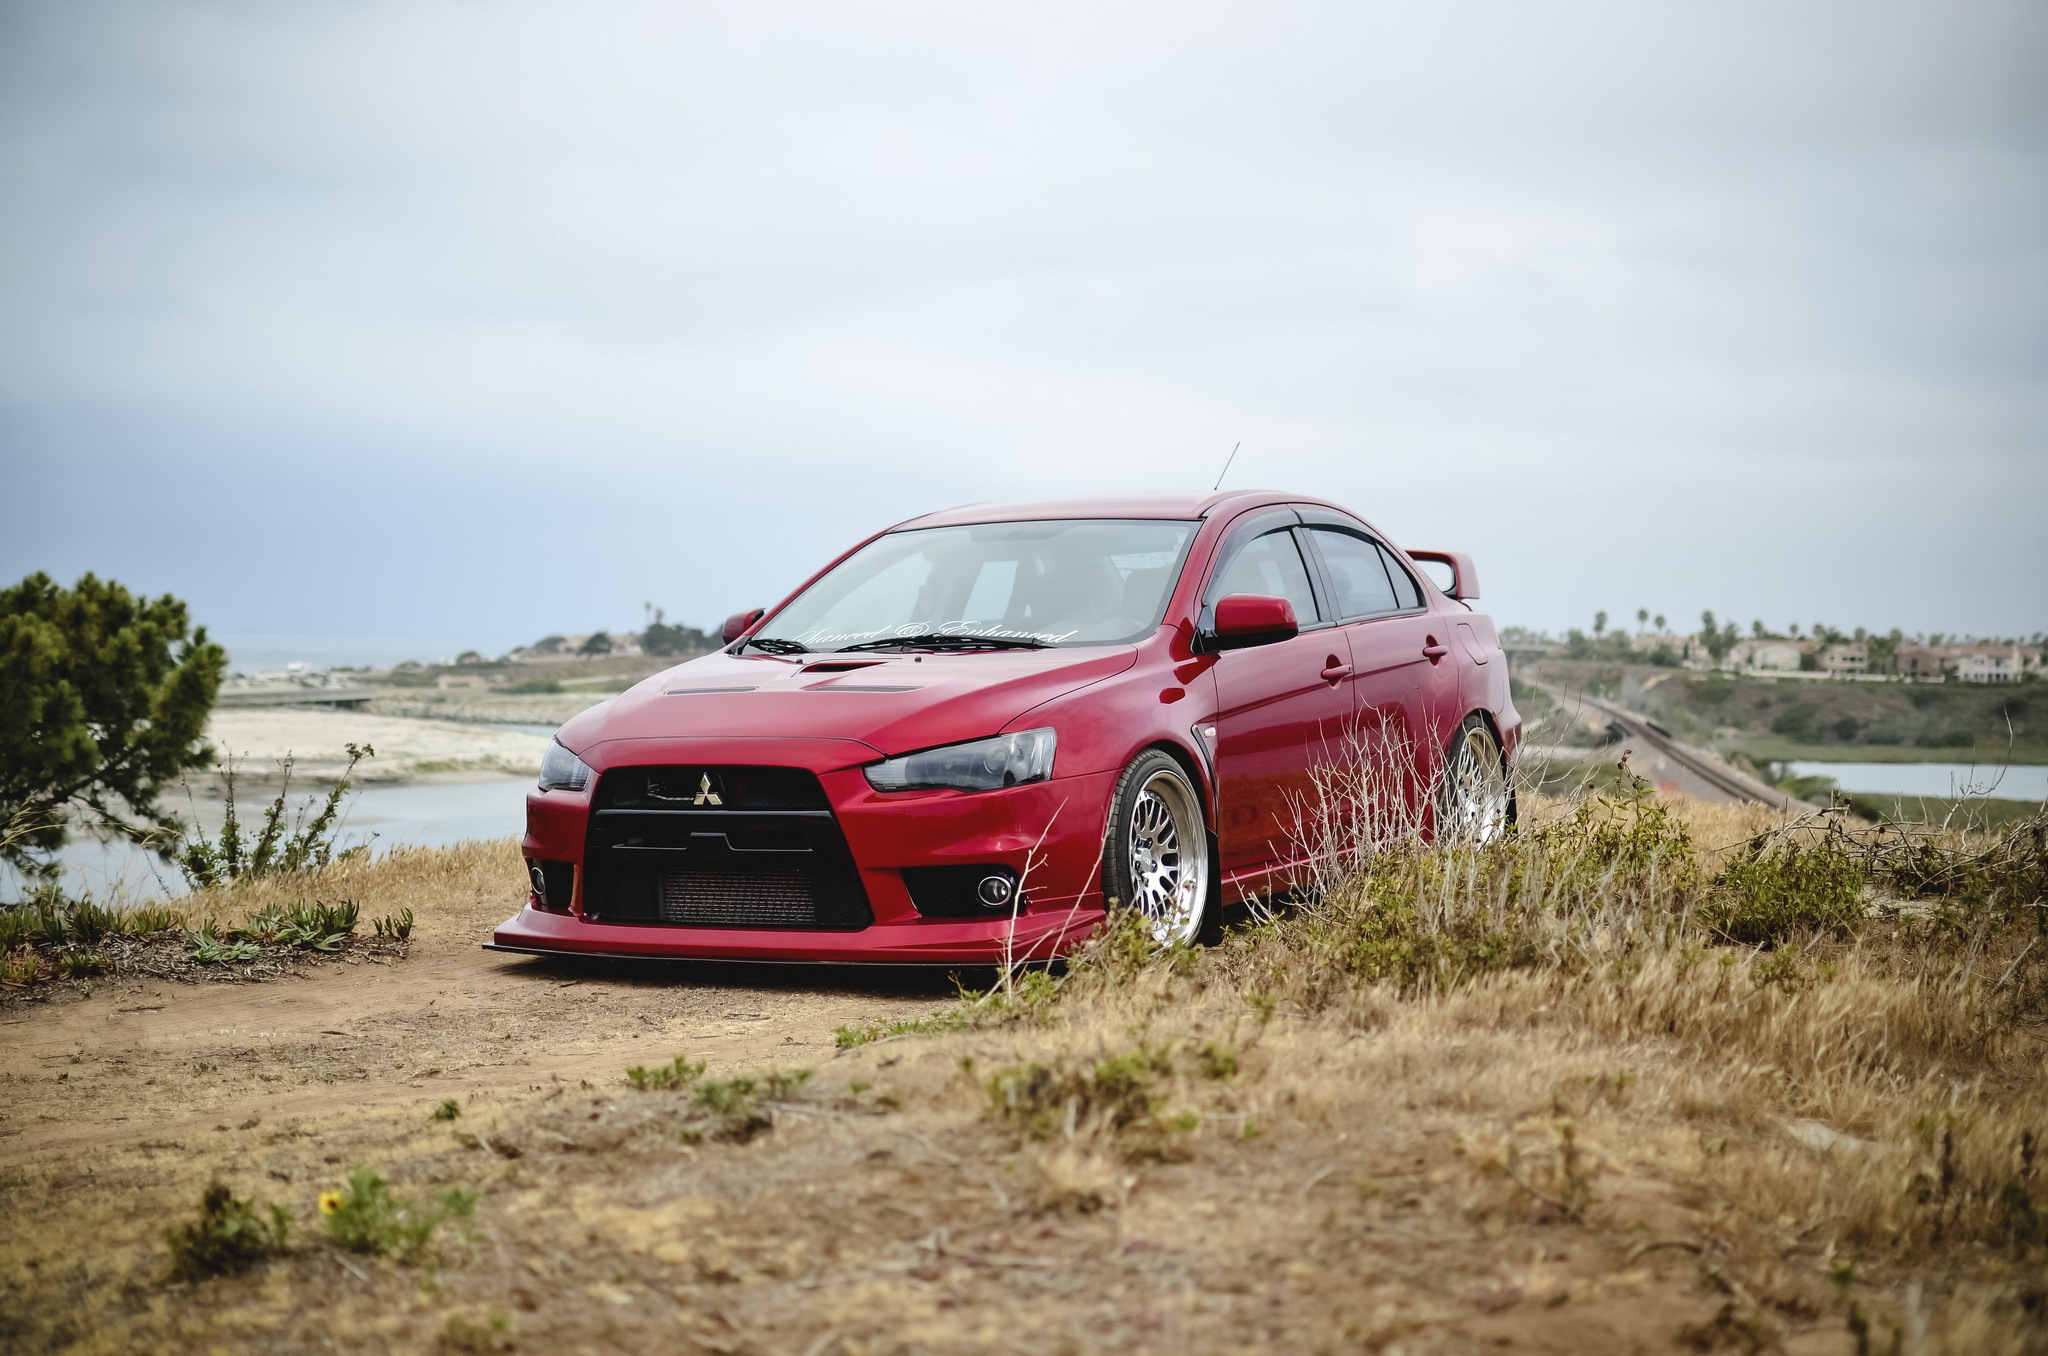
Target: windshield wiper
(776, 645)
(934, 641)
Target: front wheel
(1477, 804)
(1156, 861)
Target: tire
(1156, 859)
(1476, 804)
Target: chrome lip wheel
(1477, 798)
(1169, 859)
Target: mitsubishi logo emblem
(705, 795)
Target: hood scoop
(841, 665)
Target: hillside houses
(1808, 657)
(1970, 663)
(1965, 663)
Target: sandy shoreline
(407, 749)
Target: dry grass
(447, 888)
(1510, 1096)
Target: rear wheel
(1157, 858)
(1477, 804)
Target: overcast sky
(489, 320)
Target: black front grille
(756, 848)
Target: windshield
(1090, 581)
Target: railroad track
(1641, 731)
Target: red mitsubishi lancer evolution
(969, 736)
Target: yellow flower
(330, 1201)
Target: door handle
(1433, 651)
(1334, 671)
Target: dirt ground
(1525, 1166)
(154, 1061)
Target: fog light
(995, 891)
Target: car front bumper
(1049, 834)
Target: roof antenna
(1226, 468)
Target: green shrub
(209, 947)
(137, 922)
(22, 971)
(1116, 1091)
(82, 962)
(368, 1218)
(318, 927)
(493, 1334)
(448, 1110)
(229, 1235)
(397, 926)
(1791, 891)
(1028, 997)
(678, 1073)
(285, 844)
(726, 1096)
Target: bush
(208, 946)
(1792, 891)
(367, 1218)
(280, 847)
(230, 1235)
(678, 1073)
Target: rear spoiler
(1464, 574)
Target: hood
(894, 703)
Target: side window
(1271, 565)
(1405, 588)
(1357, 574)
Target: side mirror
(739, 623)
(1247, 619)
(1464, 575)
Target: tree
(1599, 623)
(1662, 624)
(1719, 641)
(1642, 617)
(600, 642)
(103, 701)
(664, 640)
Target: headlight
(984, 765)
(561, 770)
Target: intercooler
(720, 847)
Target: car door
(1401, 672)
(1281, 708)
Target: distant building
(1682, 648)
(1970, 663)
(1921, 663)
(1763, 656)
(1984, 663)
(1844, 659)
